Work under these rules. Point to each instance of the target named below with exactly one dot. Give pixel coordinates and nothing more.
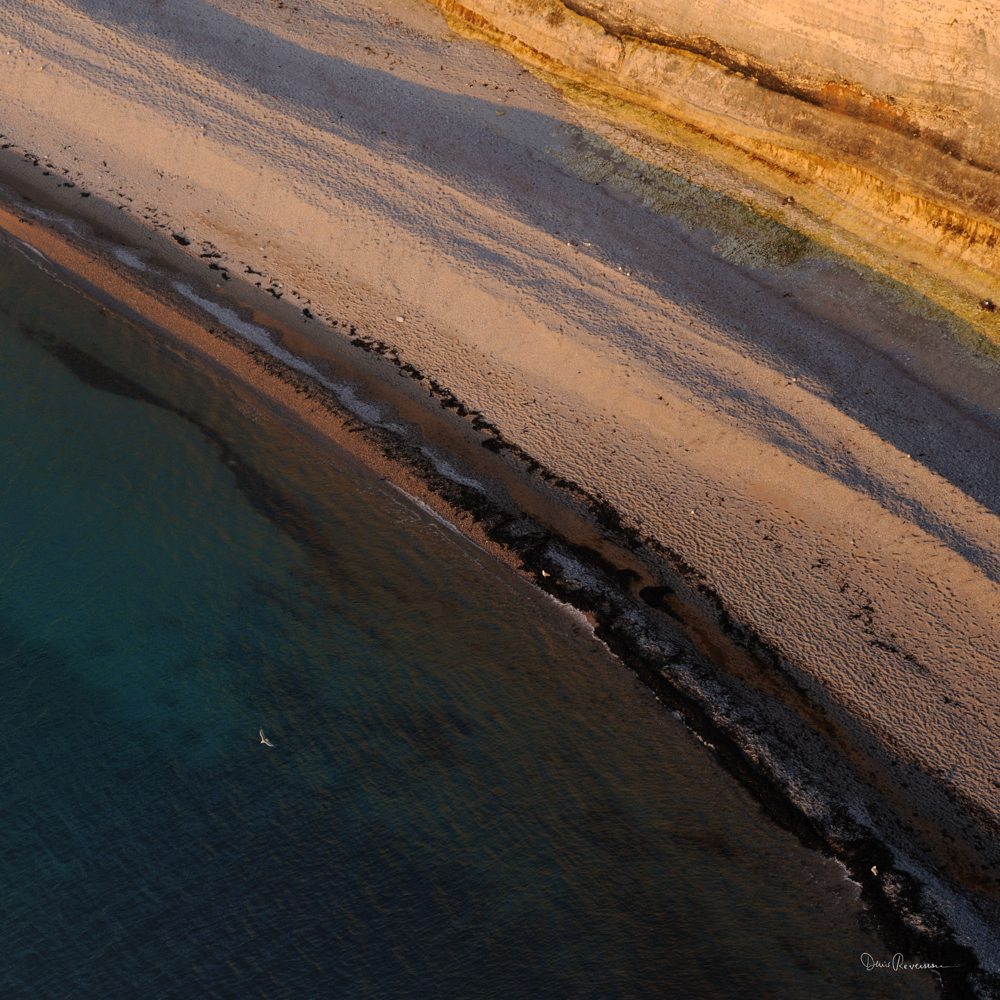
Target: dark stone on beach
(182, 239)
(654, 596)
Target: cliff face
(925, 70)
(880, 116)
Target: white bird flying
(264, 739)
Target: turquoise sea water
(467, 797)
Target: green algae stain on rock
(744, 236)
(652, 160)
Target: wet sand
(771, 485)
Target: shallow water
(467, 796)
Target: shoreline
(769, 476)
(694, 667)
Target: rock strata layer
(890, 108)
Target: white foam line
(130, 259)
(259, 336)
(845, 873)
(35, 256)
(38, 253)
(440, 518)
(449, 472)
(348, 397)
(368, 412)
(346, 394)
(578, 616)
(575, 613)
(71, 224)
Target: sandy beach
(770, 477)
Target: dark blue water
(466, 798)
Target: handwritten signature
(896, 963)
